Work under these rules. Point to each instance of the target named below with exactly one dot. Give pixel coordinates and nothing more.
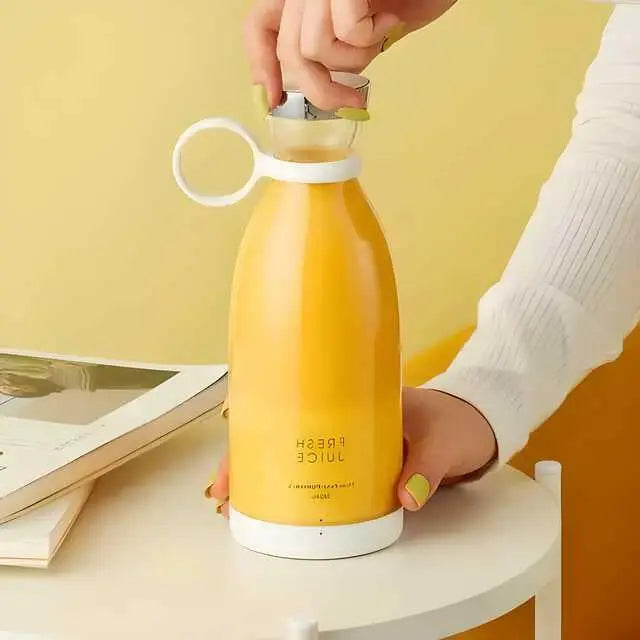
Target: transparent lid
(296, 106)
(300, 132)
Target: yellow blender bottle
(315, 421)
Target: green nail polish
(418, 488)
(350, 113)
(212, 480)
(261, 100)
(395, 33)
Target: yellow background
(101, 254)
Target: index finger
(260, 38)
(322, 91)
(312, 78)
(220, 487)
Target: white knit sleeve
(571, 292)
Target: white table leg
(302, 629)
(548, 601)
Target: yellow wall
(102, 254)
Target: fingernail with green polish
(219, 507)
(351, 113)
(212, 481)
(261, 100)
(395, 33)
(224, 409)
(418, 488)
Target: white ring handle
(264, 166)
(231, 198)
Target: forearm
(571, 292)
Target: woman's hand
(446, 439)
(308, 38)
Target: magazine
(65, 420)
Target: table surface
(149, 558)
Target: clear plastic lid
(300, 132)
(306, 141)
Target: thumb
(423, 471)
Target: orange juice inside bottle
(315, 389)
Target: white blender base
(315, 543)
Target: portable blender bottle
(315, 420)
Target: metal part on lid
(297, 107)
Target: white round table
(149, 558)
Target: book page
(37, 535)
(54, 409)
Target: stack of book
(65, 421)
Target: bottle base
(316, 543)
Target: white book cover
(34, 539)
(64, 420)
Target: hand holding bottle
(306, 39)
(446, 440)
